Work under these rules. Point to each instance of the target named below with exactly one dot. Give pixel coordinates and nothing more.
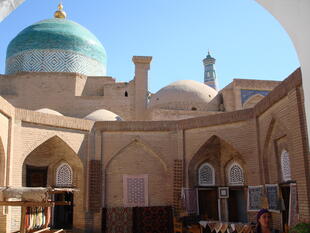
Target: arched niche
(217, 152)
(42, 163)
(253, 100)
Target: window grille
(235, 175)
(64, 175)
(206, 175)
(285, 166)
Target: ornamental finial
(60, 13)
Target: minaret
(210, 75)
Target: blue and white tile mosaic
(246, 94)
(54, 61)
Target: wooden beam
(62, 203)
(22, 220)
(26, 203)
(59, 231)
(42, 230)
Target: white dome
(49, 111)
(103, 115)
(183, 95)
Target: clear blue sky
(244, 38)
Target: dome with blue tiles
(56, 45)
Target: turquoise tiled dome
(56, 45)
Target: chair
(195, 229)
(177, 226)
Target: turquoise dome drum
(56, 45)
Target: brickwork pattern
(177, 185)
(95, 180)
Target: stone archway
(136, 159)
(46, 158)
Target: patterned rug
(157, 219)
(119, 220)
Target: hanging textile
(189, 196)
(119, 220)
(293, 207)
(272, 192)
(255, 197)
(157, 219)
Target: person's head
(264, 218)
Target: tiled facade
(246, 94)
(49, 60)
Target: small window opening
(126, 94)
(194, 108)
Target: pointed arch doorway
(55, 164)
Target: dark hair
(260, 213)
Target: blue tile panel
(54, 61)
(58, 34)
(246, 94)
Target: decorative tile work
(246, 94)
(54, 61)
(135, 189)
(272, 193)
(255, 196)
(58, 34)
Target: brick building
(65, 124)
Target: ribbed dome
(103, 115)
(183, 95)
(56, 45)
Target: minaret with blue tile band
(210, 74)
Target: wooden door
(237, 206)
(286, 198)
(208, 204)
(63, 214)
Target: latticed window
(64, 175)
(235, 175)
(206, 175)
(286, 166)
